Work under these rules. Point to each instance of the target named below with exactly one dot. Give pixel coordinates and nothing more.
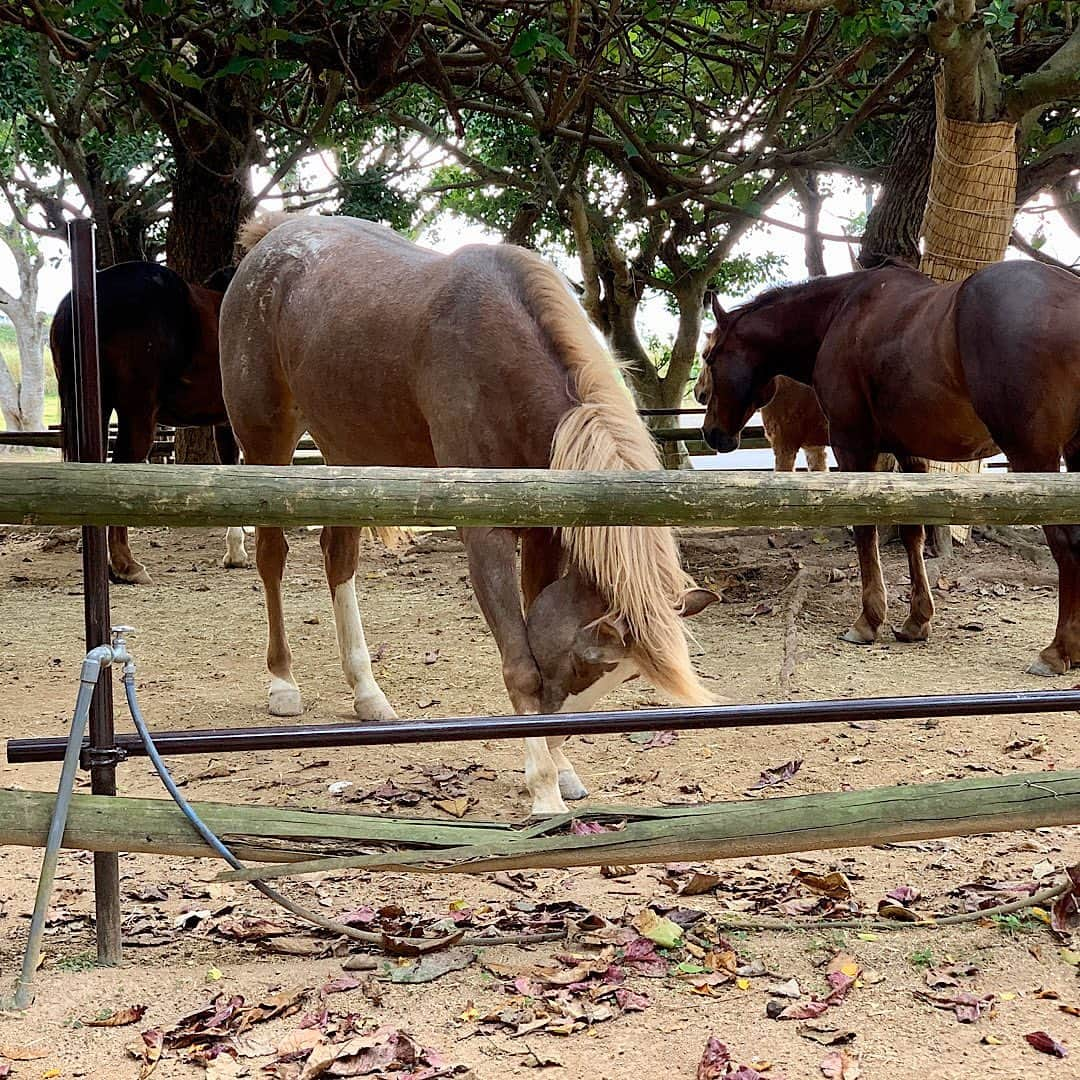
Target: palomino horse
(902, 365)
(390, 354)
(157, 349)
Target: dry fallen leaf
(840, 1065)
(1046, 1044)
(15, 1052)
(825, 1034)
(833, 885)
(148, 1051)
(700, 884)
(301, 1039)
(128, 1015)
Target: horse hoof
(135, 576)
(286, 701)
(546, 808)
(571, 787)
(913, 632)
(235, 562)
(1041, 667)
(374, 707)
(853, 637)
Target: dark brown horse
(791, 416)
(906, 367)
(157, 344)
(390, 354)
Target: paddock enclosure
(785, 589)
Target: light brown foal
(393, 355)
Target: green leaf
(658, 928)
(183, 75)
(526, 41)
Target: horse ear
(602, 642)
(694, 601)
(719, 314)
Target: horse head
(580, 649)
(736, 379)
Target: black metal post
(90, 446)
(465, 728)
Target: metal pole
(468, 728)
(90, 446)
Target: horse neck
(789, 329)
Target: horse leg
(491, 554)
(271, 550)
(541, 562)
(1063, 653)
(784, 458)
(341, 547)
(816, 458)
(134, 437)
(236, 556)
(917, 625)
(874, 597)
(273, 443)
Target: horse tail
(61, 345)
(255, 228)
(635, 568)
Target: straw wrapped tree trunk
(967, 221)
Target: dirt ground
(199, 648)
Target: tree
(22, 400)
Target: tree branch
(1056, 80)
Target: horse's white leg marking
(368, 700)
(285, 697)
(236, 555)
(570, 785)
(542, 779)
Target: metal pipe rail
(467, 728)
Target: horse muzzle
(720, 441)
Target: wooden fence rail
(49, 493)
(722, 830)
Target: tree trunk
(208, 192)
(894, 222)
(31, 339)
(650, 391)
(811, 199)
(971, 202)
(23, 401)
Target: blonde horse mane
(636, 568)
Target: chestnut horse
(157, 351)
(393, 355)
(904, 366)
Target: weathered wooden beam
(738, 829)
(258, 833)
(750, 828)
(48, 493)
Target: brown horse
(390, 354)
(904, 366)
(157, 350)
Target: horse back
(1018, 334)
